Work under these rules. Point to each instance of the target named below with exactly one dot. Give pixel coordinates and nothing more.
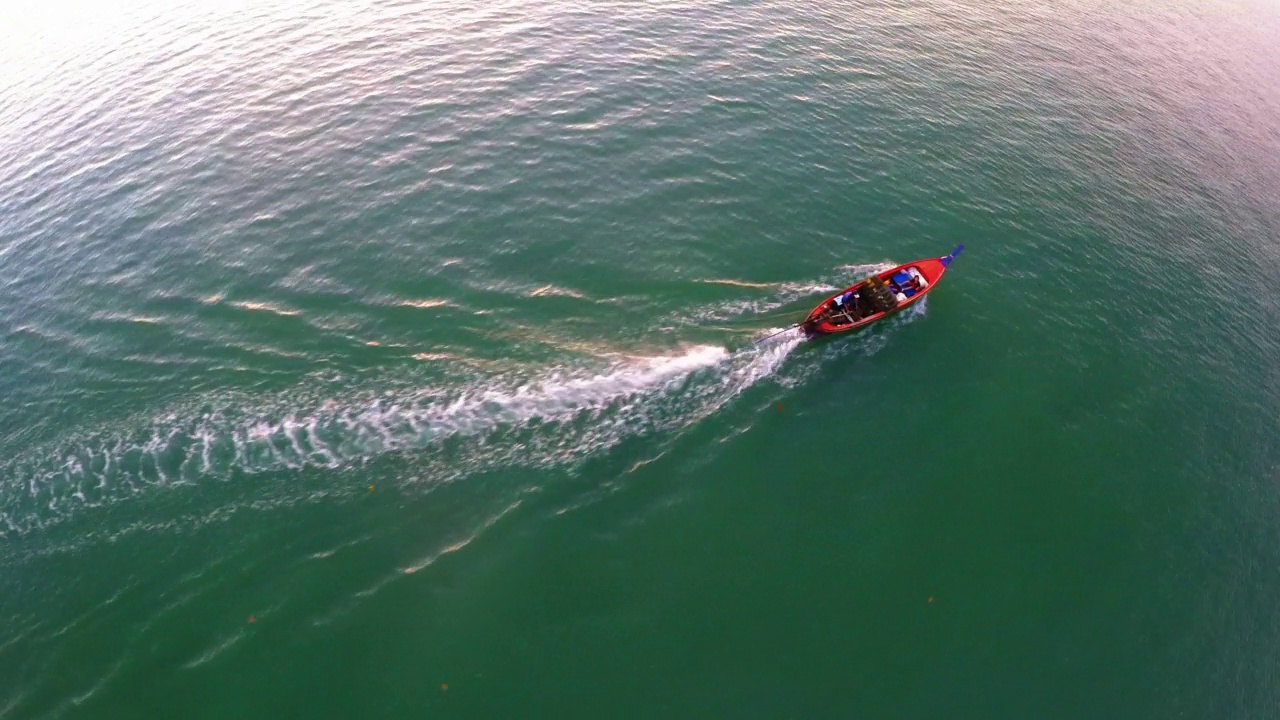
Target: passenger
(908, 284)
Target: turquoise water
(398, 360)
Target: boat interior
(873, 296)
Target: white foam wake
(562, 416)
(539, 419)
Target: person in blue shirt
(847, 303)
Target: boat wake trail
(552, 418)
(782, 294)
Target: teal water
(396, 360)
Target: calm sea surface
(395, 360)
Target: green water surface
(395, 359)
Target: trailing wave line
(785, 293)
(562, 417)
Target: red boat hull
(931, 268)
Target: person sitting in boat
(906, 283)
(846, 301)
